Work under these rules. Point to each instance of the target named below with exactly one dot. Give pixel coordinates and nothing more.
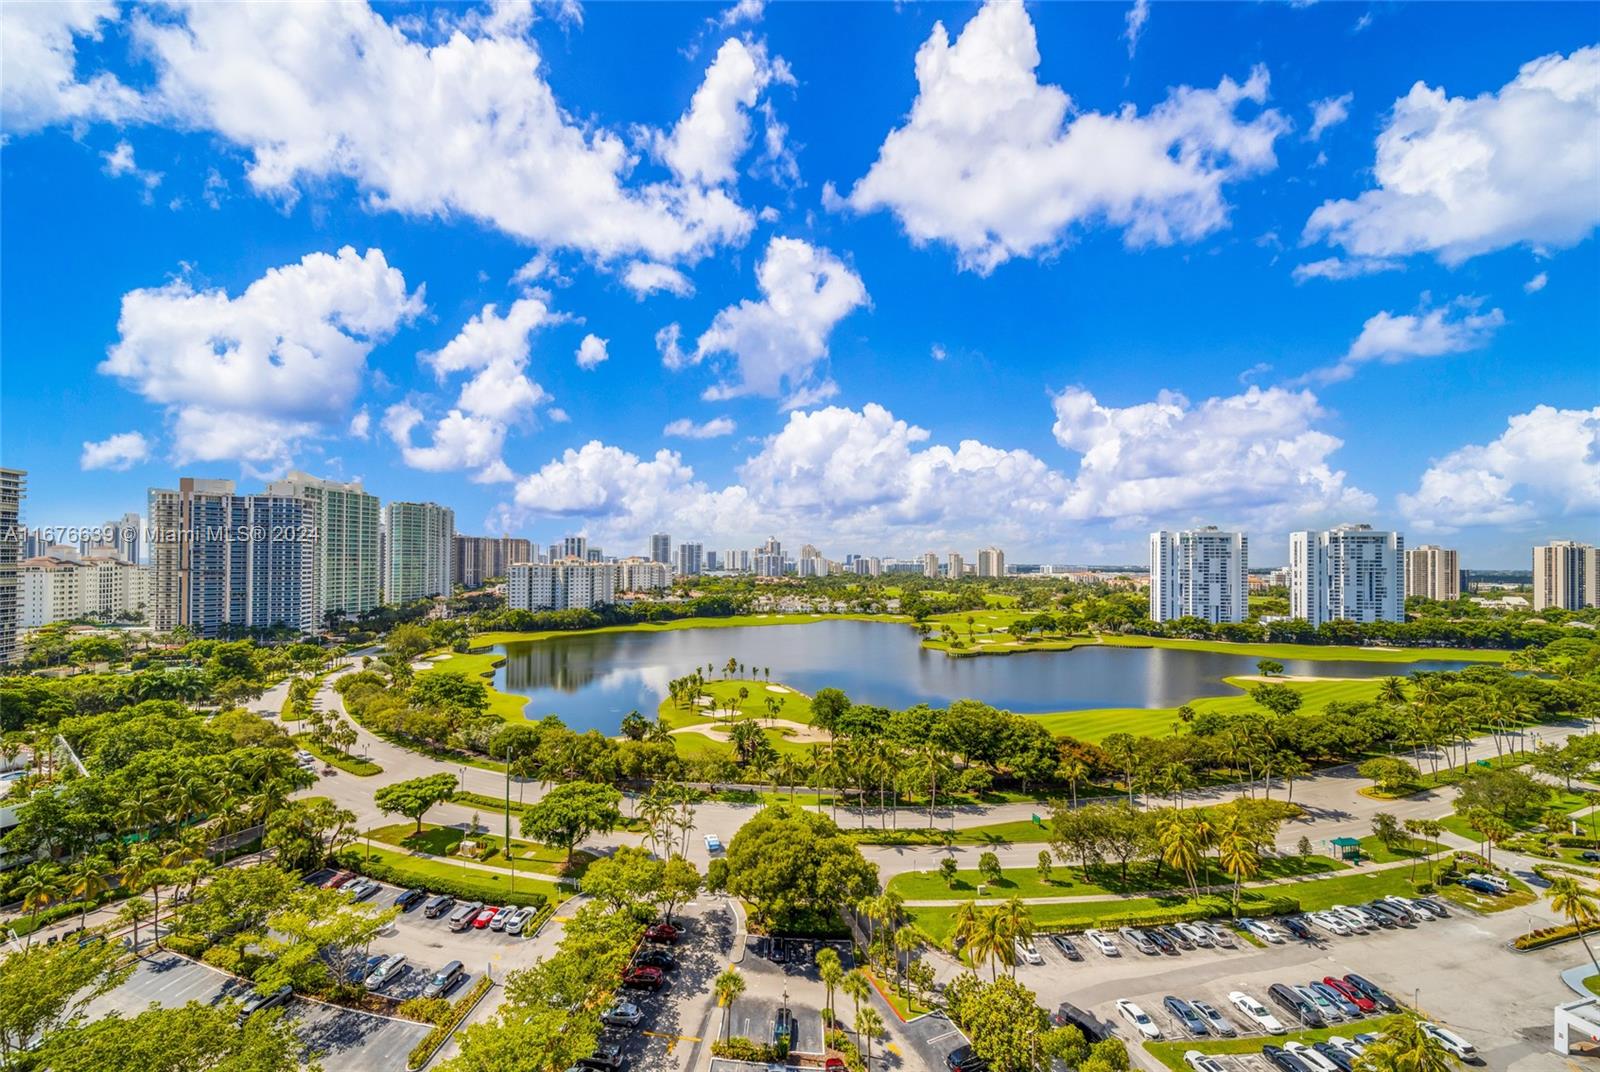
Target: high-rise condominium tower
(419, 541)
(344, 520)
(661, 547)
(1199, 573)
(1433, 573)
(991, 562)
(1349, 573)
(1566, 575)
(13, 485)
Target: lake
(592, 680)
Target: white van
(1450, 1041)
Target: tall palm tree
(1018, 923)
(728, 986)
(831, 970)
(86, 881)
(928, 762)
(907, 941)
(991, 941)
(856, 988)
(1236, 854)
(1579, 906)
(1180, 847)
(1405, 1047)
(869, 1025)
(963, 925)
(141, 870)
(787, 771)
(40, 886)
(1072, 772)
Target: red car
(661, 932)
(1351, 994)
(485, 916)
(642, 978)
(338, 880)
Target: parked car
(1216, 1023)
(1176, 936)
(1434, 905)
(623, 1014)
(713, 844)
(497, 922)
(1330, 1013)
(1069, 1015)
(1335, 1056)
(1027, 951)
(1387, 920)
(1287, 999)
(1330, 923)
(258, 1001)
(1479, 884)
(1068, 950)
(1451, 1041)
(1220, 935)
(337, 879)
(1590, 856)
(517, 921)
(1197, 934)
(1412, 905)
(1401, 917)
(1102, 942)
(783, 1028)
(408, 899)
(661, 932)
(963, 1059)
(1363, 1003)
(1310, 1057)
(1163, 943)
(1299, 928)
(1140, 941)
(391, 969)
(1138, 1018)
(485, 916)
(444, 980)
(1348, 1009)
(464, 914)
(642, 978)
(1257, 1013)
(1283, 1059)
(1373, 991)
(1201, 1063)
(656, 958)
(607, 1056)
(1358, 921)
(438, 905)
(1346, 1046)
(1264, 931)
(1187, 1018)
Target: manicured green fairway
(793, 705)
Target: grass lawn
(698, 746)
(1069, 882)
(795, 705)
(1592, 984)
(482, 665)
(1520, 895)
(907, 1006)
(1171, 1053)
(1560, 800)
(439, 840)
(1376, 852)
(1021, 832)
(356, 765)
(735, 622)
(488, 886)
(1332, 652)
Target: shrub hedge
(399, 875)
(423, 1052)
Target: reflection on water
(592, 680)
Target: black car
(1434, 906)
(1187, 1017)
(1298, 1007)
(1068, 950)
(258, 1001)
(1069, 1015)
(607, 1056)
(1372, 991)
(1334, 1054)
(1589, 855)
(962, 1059)
(1163, 943)
(1285, 1060)
(408, 899)
(1297, 927)
(657, 958)
(438, 905)
(1177, 937)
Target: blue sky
(884, 278)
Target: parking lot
(349, 1041)
(782, 974)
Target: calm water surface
(591, 681)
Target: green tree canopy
(796, 867)
(414, 797)
(571, 812)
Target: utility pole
(510, 856)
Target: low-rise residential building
(100, 586)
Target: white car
(1450, 1041)
(1416, 908)
(1265, 931)
(518, 920)
(1346, 1046)
(1330, 923)
(1257, 1013)
(1331, 1013)
(1027, 951)
(713, 844)
(1310, 1057)
(1219, 934)
(623, 1014)
(1201, 1063)
(1360, 921)
(1138, 1018)
(1103, 942)
(1197, 934)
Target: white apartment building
(13, 485)
(955, 566)
(769, 564)
(991, 562)
(643, 575)
(100, 586)
(344, 519)
(736, 561)
(1433, 572)
(419, 551)
(566, 584)
(930, 565)
(1566, 575)
(690, 558)
(1199, 573)
(1349, 573)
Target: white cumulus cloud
(1461, 176)
(248, 377)
(684, 428)
(998, 165)
(1544, 465)
(591, 351)
(119, 452)
(647, 277)
(39, 55)
(778, 341)
(1536, 284)
(1391, 338)
(1329, 112)
(715, 131)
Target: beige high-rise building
(1566, 575)
(1433, 573)
(991, 562)
(955, 566)
(478, 558)
(930, 565)
(13, 485)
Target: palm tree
(927, 762)
(1236, 854)
(132, 911)
(1580, 908)
(869, 1025)
(1290, 767)
(991, 941)
(963, 925)
(728, 986)
(907, 941)
(1018, 923)
(787, 771)
(831, 970)
(1180, 847)
(1072, 772)
(86, 881)
(856, 988)
(1405, 1047)
(141, 870)
(40, 887)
